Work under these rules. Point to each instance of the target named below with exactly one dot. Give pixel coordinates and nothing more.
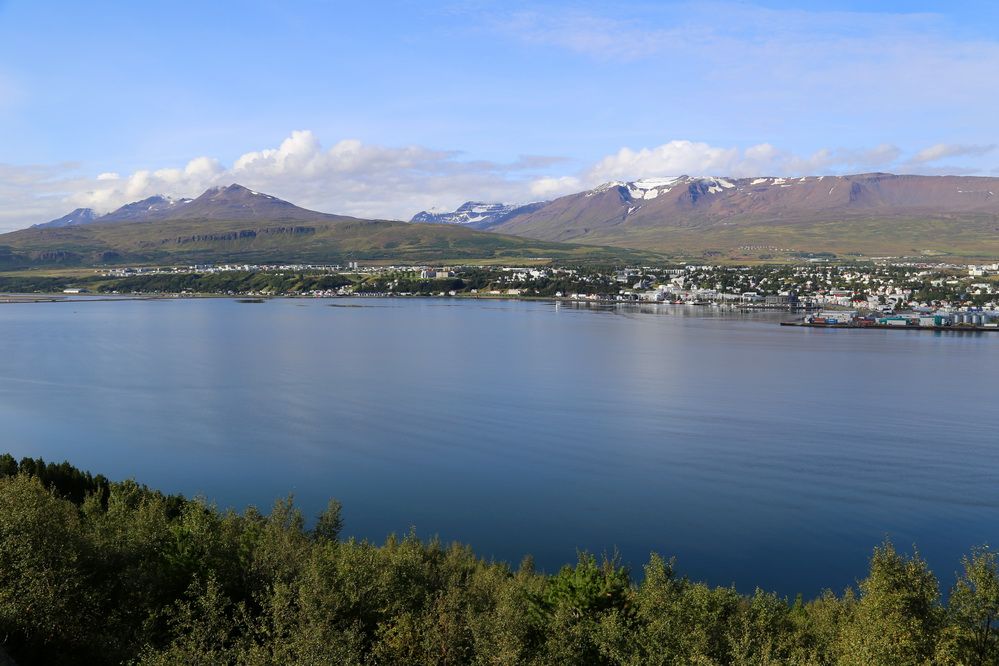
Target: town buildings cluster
(883, 287)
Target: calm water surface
(757, 455)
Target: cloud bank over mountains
(368, 180)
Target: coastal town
(886, 293)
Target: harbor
(963, 321)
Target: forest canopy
(101, 572)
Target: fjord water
(757, 455)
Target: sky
(383, 109)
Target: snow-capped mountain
(856, 214)
(144, 209)
(233, 202)
(136, 211)
(475, 214)
(78, 216)
(716, 211)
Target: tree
(45, 596)
(973, 612)
(573, 604)
(898, 617)
(329, 523)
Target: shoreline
(95, 298)
(71, 298)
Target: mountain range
(234, 202)
(738, 218)
(236, 224)
(860, 214)
(762, 217)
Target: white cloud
(366, 180)
(203, 167)
(544, 188)
(350, 177)
(692, 158)
(34, 193)
(670, 159)
(942, 151)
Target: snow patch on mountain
(77, 217)
(470, 212)
(650, 188)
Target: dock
(958, 328)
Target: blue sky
(383, 109)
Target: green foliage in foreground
(128, 575)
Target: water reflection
(757, 454)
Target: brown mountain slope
(236, 202)
(866, 214)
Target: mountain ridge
(872, 214)
(862, 213)
(229, 202)
(236, 224)
(71, 219)
(476, 214)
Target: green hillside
(328, 239)
(965, 235)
